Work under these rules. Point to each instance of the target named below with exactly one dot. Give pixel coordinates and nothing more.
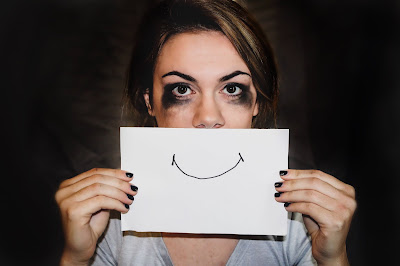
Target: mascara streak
(245, 98)
(168, 99)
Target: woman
(203, 64)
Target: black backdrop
(62, 75)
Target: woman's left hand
(327, 205)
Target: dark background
(62, 75)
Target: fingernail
(278, 194)
(283, 172)
(134, 188)
(287, 204)
(130, 175)
(126, 206)
(130, 197)
(278, 184)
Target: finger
(123, 175)
(125, 186)
(99, 189)
(331, 221)
(85, 209)
(310, 196)
(299, 174)
(312, 183)
(344, 208)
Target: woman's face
(201, 81)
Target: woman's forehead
(200, 53)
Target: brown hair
(172, 17)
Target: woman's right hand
(85, 202)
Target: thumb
(99, 222)
(311, 225)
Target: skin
(207, 103)
(327, 205)
(85, 201)
(200, 81)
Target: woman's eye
(181, 90)
(232, 90)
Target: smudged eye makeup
(181, 93)
(238, 94)
(176, 94)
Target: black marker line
(174, 162)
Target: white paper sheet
(217, 181)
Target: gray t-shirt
(133, 248)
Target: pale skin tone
(203, 85)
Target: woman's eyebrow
(192, 79)
(233, 74)
(177, 73)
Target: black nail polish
(130, 197)
(278, 184)
(134, 188)
(283, 172)
(278, 194)
(126, 206)
(287, 204)
(130, 175)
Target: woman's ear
(255, 110)
(146, 96)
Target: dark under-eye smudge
(169, 99)
(245, 98)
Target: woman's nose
(208, 114)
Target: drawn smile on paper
(210, 177)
